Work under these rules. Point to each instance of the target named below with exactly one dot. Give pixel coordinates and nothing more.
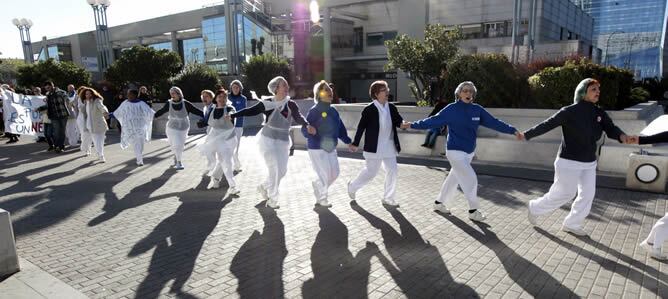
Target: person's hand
(228, 117)
(311, 130)
(352, 148)
(106, 115)
(519, 135)
(405, 125)
(633, 139)
(624, 139)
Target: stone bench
(9, 261)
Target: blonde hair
(176, 90)
(317, 88)
(274, 83)
(209, 92)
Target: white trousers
(177, 141)
(571, 178)
(72, 132)
(97, 139)
(659, 233)
(275, 154)
(370, 171)
(224, 166)
(210, 162)
(326, 167)
(238, 132)
(462, 174)
(138, 146)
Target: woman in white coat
(95, 124)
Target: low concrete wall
(9, 260)
(498, 148)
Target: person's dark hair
(134, 92)
(49, 83)
(376, 87)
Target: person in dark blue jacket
(463, 118)
(322, 145)
(239, 102)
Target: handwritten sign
(20, 113)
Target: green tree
(425, 61)
(194, 78)
(496, 79)
(61, 73)
(142, 65)
(9, 69)
(261, 69)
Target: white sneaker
(323, 203)
(477, 216)
(440, 207)
(576, 231)
(533, 219)
(87, 153)
(653, 252)
(350, 194)
(179, 166)
(390, 202)
(272, 203)
(140, 163)
(263, 192)
(102, 159)
(205, 172)
(233, 191)
(214, 184)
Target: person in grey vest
(207, 99)
(220, 142)
(178, 122)
(274, 141)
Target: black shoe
(50, 148)
(12, 141)
(424, 145)
(58, 150)
(292, 151)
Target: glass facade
(193, 50)
(249, 31)
(161, 46)
(629, 33)
(57, 53)
(214, 37)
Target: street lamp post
(24, 28)
(104, 50)
(607, 43)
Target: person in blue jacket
(463, 117)
(239, 102)
(322, 145)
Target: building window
(214, 36)
(379, 38)
(193, 50)
(161, 46)
(471, 31)
(358, 39)
(496, 29)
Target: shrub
(553, 87)
(262, 68)
(194, 78)
(61, 73)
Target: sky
(55, 18)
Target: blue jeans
(430, 138)
(59, 126)
(48, 134)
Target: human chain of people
(81, 114)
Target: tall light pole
(607, 43)
(104, 50)
(24, 28)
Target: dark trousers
(59, 126)
(48, 134)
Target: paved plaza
(115, 230)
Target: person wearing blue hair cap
(322, 145)
(582, 125)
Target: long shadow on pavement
(524, 273)
(336, 273)
(421, 272)
(652, 282)
(258, 265)
(178, 240)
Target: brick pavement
(114, 230)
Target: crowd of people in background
(82, 116)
